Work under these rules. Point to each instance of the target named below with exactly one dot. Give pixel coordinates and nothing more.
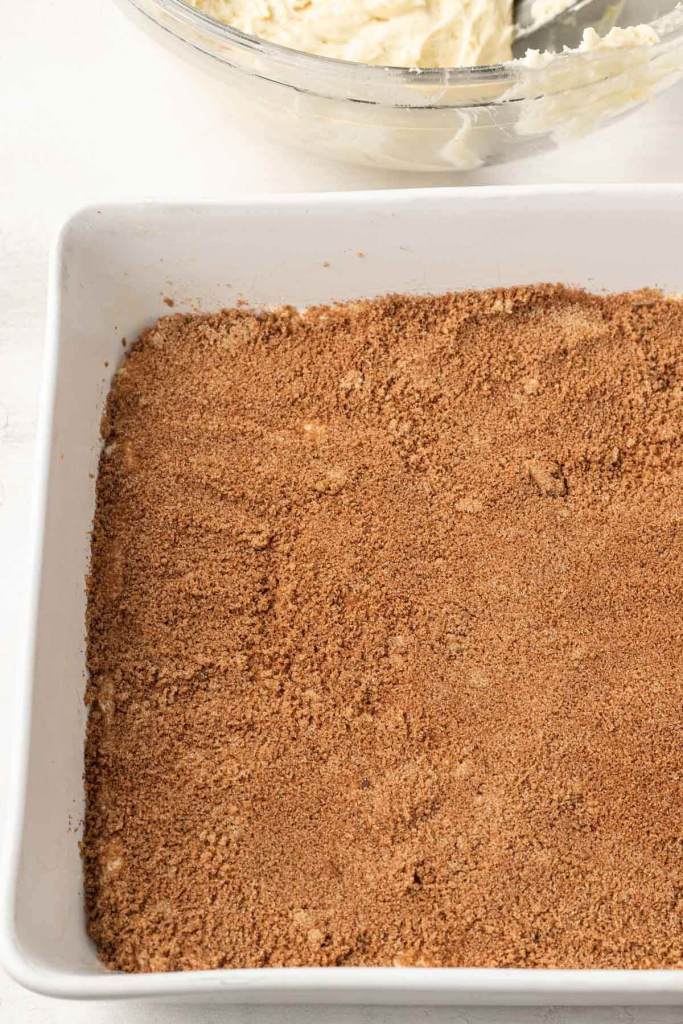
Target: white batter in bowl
(401, 33)
(438, 118)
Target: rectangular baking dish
(111, 271)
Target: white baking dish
(111, 270)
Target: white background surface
(91, 109)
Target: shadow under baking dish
(111, 270)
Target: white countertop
(91, 109)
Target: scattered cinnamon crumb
(471, 505)
(168, 301)
(548, 477)
(385, 657)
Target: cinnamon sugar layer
(385, 637)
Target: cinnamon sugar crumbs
(385, 637)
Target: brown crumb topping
(385, 637)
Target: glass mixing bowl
(436, 119)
